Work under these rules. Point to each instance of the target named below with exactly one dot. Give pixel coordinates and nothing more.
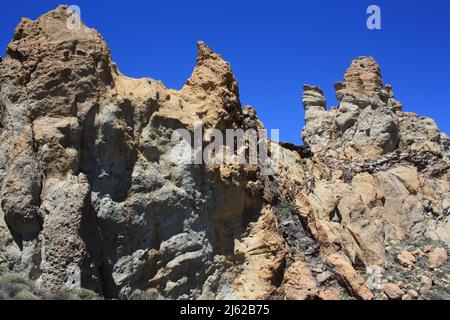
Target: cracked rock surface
(93, 193)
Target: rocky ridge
(92, 196)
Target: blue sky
(274, 47)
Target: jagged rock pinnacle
(211, 72)
(368, 119)
(362, 82)
(313, 97)
(213, 83)
(364, 77)
(204, 52)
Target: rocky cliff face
(92, 195)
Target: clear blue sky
(274, 47)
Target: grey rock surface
(94, 192)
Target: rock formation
(93, 197)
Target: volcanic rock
(95, 193)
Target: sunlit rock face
(93, 194)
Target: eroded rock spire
(214, 89)
(211, 71)
(363, 77)
(366, 123)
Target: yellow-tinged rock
(437, 257)
(299, 283)
(406, 258)
(352, 280)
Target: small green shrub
(58, 295)
(284, 210)
(25, 295)
(12, 284)
(84, 294)
(13, 278)
(15, 287)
